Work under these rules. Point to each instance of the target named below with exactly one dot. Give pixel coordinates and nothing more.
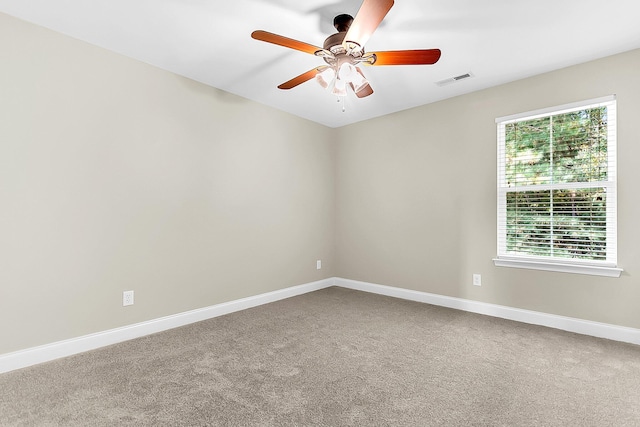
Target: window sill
(592, 270)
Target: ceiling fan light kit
(344, 51)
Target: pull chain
(343, 103)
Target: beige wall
(416, 197)
(115, 175)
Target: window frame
(608, 268)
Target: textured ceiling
(497, 41)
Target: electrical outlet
(318, 264)
(127, 298)
(477, 280)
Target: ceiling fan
(344, 51)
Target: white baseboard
(44, 353)
(48, 352)
(570, 324)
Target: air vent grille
(454, 79)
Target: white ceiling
(209, 41)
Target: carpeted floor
(337, 357)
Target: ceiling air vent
(454, 79)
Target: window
(557, 189)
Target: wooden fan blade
(302, 78)
(268, 37)
(407, 57)
(369, 16)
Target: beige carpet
(337, 357)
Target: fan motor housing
(334, 41)
(335, 53)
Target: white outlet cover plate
(477, 280)
(127, 298)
